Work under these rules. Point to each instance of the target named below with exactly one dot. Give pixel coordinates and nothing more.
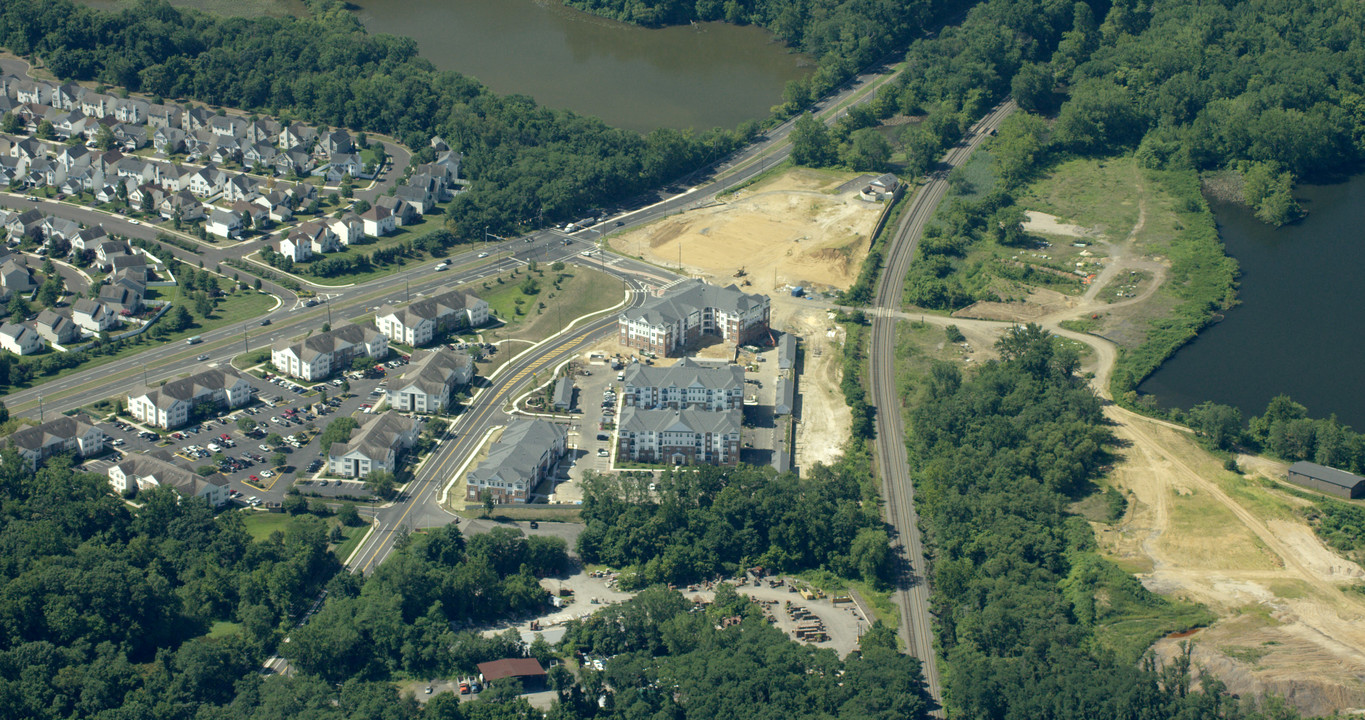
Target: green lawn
(261, 524)
(1092, 193)
(232, 309)
(582, 291)
(222, 629)
(353, 535)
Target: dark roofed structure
(1325, 479)
(528, 670)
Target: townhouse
(526, 454)
(317, 356)
(424, 320)
(377, 445)
(172, 404)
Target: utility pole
(407, 290)
(329, 312)
(40, 408)
(245, 347)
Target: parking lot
(596, 403)
(282, 406)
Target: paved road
(913, 596)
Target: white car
(134, 222)
(483, 255)
(264, 447)
(267, 473)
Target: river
(701, 77)
(1300, 327)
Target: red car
(254, 479)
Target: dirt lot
(792, 229)
(1236, 545)
(825, 420)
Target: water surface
(1300, 327)
(701, 76)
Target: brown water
(702, 76)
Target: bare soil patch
(1289, 624)
(825, 420)
(793, 229)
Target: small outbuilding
(563, 394)
(1325, 479)
(786, 351)
(786, 397)
(527, 670)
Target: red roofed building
(527, 670)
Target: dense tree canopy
(704, 520)
(92, 590)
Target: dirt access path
(1287, 624)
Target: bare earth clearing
(793, 229)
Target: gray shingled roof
(62, 428)
(375, 438)
(685, 373)
(168, 474)
(431, 308)
(326, 342)
(635, 420)
(430, 371)
(563, 393)
(517, 453)
(690, 296)
(786, 397)
(185, 389)
(786, 351)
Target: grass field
(581, 291)
(222, 629)
(347, 546)
(1101, 194)
(261, 524)
(232, 309)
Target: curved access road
(419, 507)
(912, 597)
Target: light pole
(245, 347)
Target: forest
(707, 521)
(528, 164)
(1030, 618)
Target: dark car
(265, 322)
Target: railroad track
(912, 595)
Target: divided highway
(912, 599)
